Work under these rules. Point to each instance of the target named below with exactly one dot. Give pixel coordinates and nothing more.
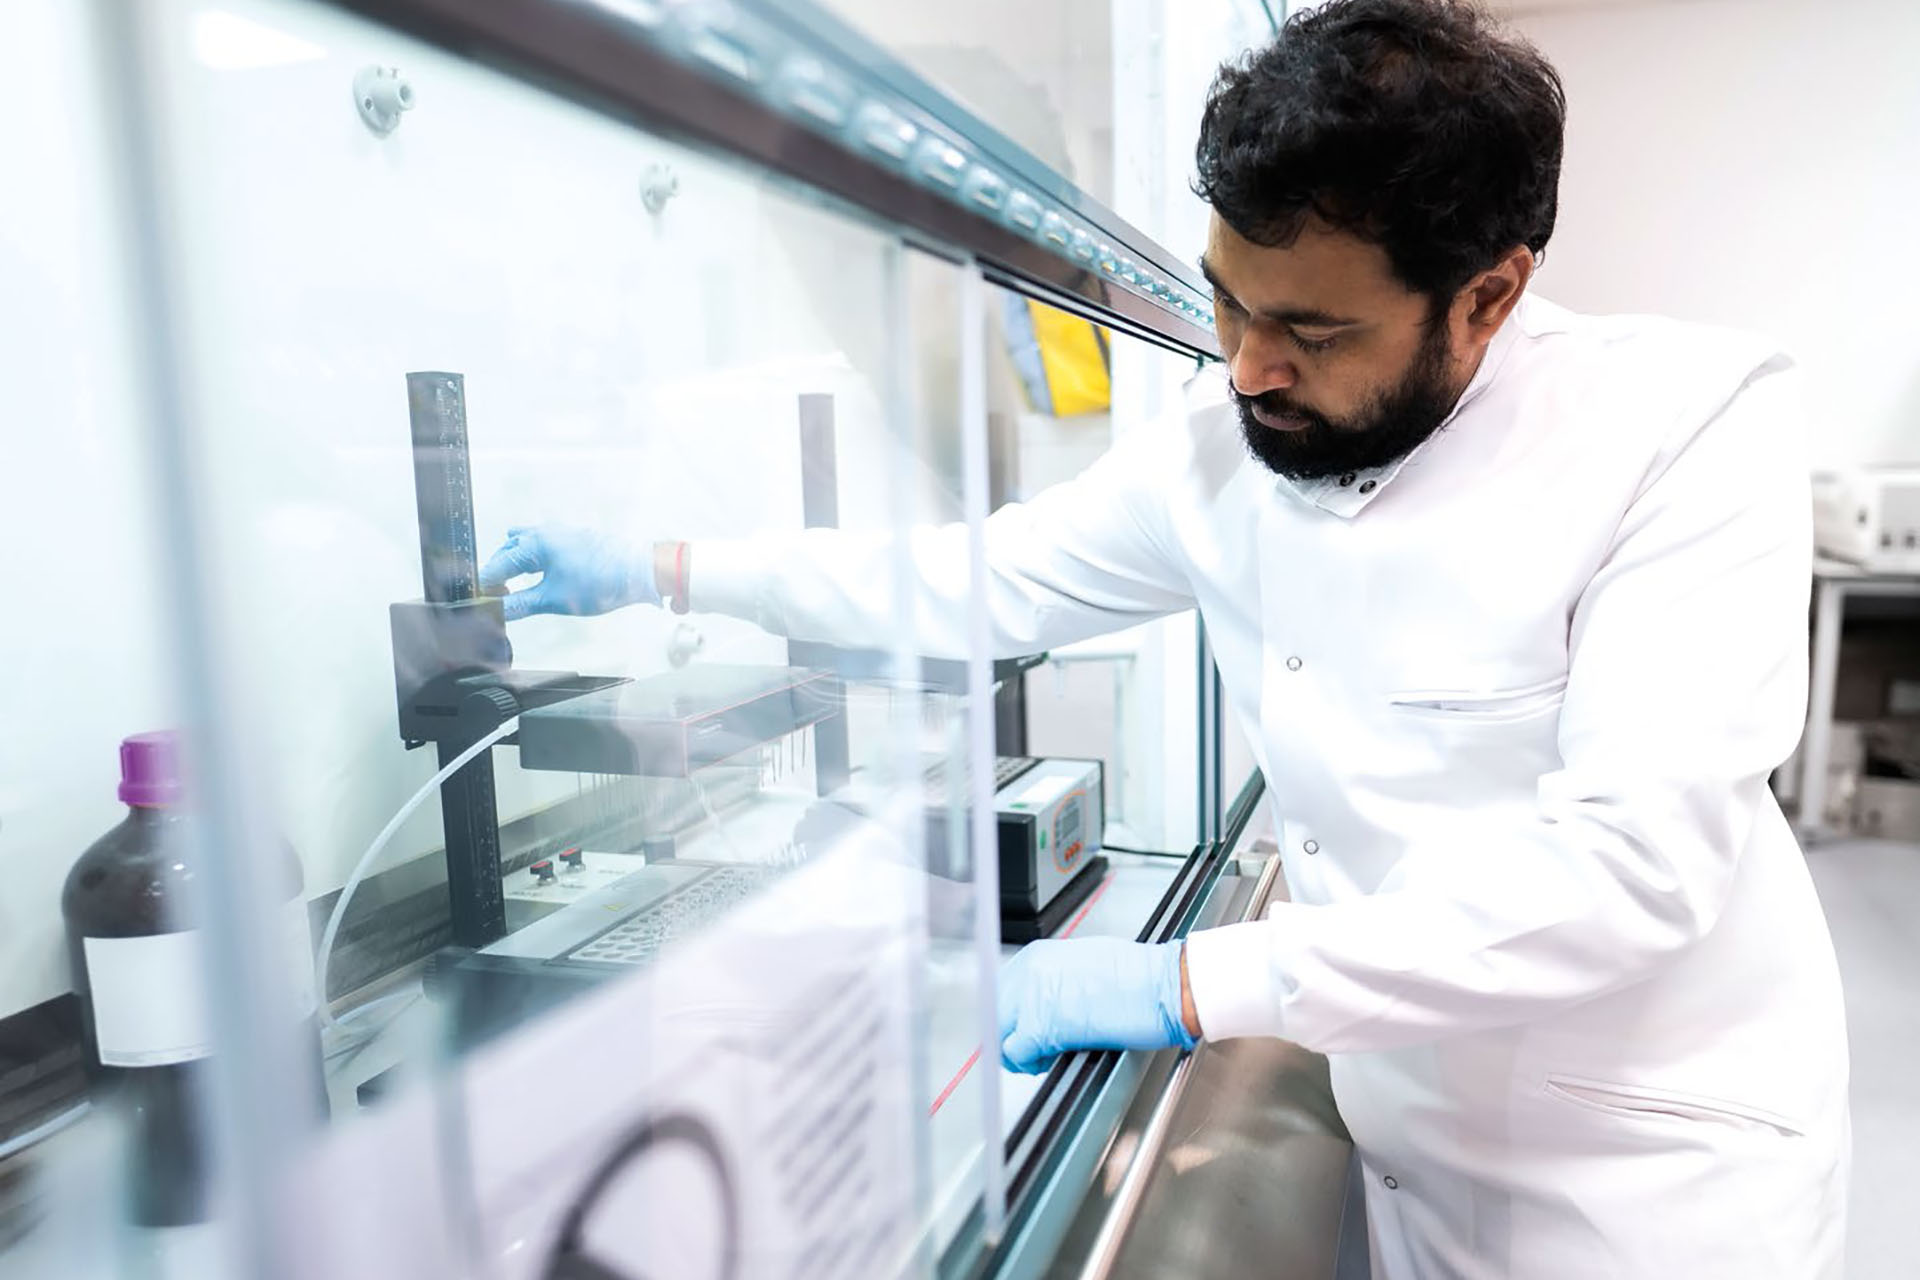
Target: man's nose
(1261, 365)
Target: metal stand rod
(820, 509)
(472, 833)
(449, 569)
(1829, 604)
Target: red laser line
(968, 1065)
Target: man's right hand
(583, 572)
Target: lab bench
(1192, 1164)
(1117, 1164)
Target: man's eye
(1313, 344)
(1225, 303)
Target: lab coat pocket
(1478, 706)
(1463, 749)
(1638, 1102)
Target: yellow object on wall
(1061, 359)
(1074, 355)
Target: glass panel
(1105, 92)
(648, 938)
(1040, 74)
(1061, 391)
(91, 661)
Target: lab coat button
(1293, 664)
(1346, 479)
(1391, 1183)
(1369, 486)
(1311, 846)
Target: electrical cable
(406, 999)
(718, 826)
(359, 872)
(1107, 847)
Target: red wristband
(680, 604)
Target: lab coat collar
(1348, 495)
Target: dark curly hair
(1417, 124)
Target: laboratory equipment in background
(1863, 667)
(1869, 517)
(457, 686)
(1885, 803)
(1888, 809)
(1050, 817)
(1049, 825)
(129, 907)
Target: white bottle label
(149, 997)
(148, 1006)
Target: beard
(1392, 424)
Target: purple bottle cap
(150, 769)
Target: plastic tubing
(374, 850)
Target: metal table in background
(1834, 583)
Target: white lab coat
(1517, 698)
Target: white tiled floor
(1871, 890)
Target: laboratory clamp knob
(542, 871)
(497, 705)
(573, 860)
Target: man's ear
(1490, 297)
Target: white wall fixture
(381, 95)
(658, 185)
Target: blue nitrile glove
(1089, 993)
(583, 571)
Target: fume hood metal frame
(789, 87)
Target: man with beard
(1512, 605)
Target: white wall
(1752, 162)
(81, 639)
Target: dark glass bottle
(137, 968)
